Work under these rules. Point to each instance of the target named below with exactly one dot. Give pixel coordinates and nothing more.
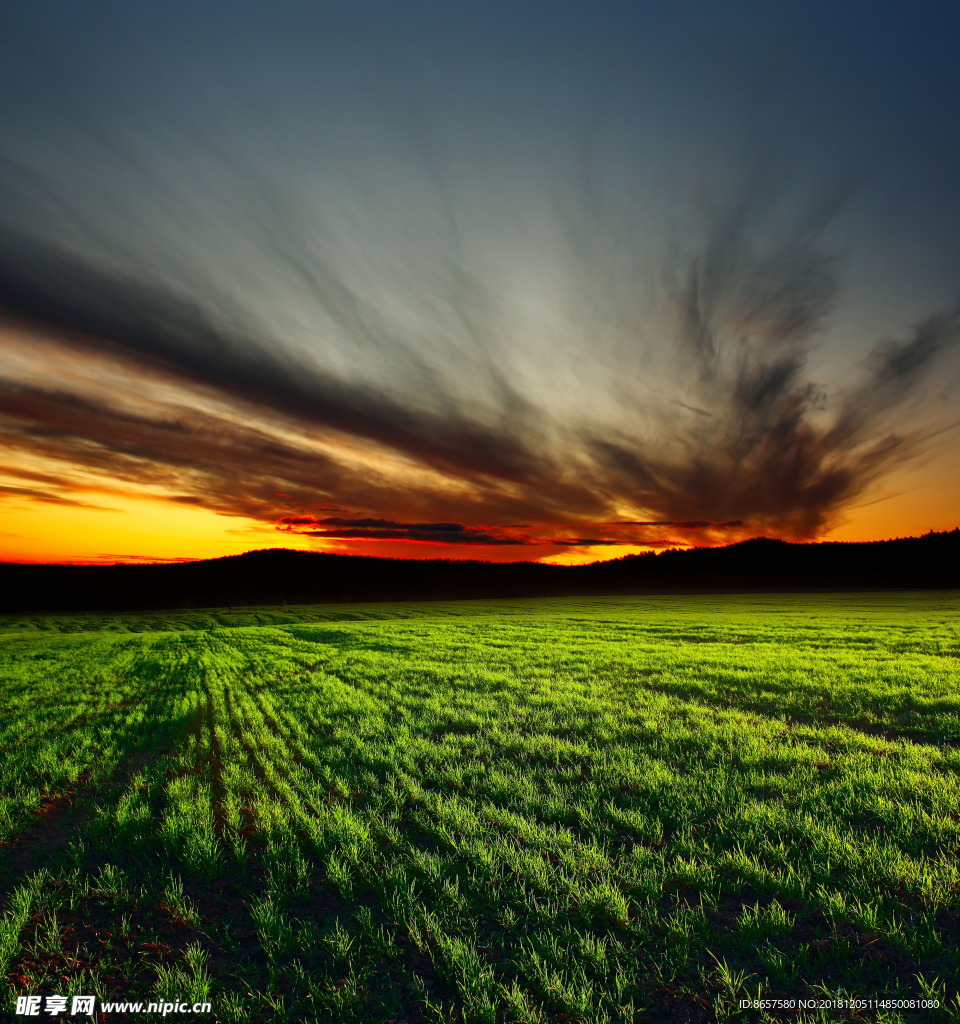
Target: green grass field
(584, 810)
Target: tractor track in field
(214, 759)
(322, 901)
(307, 806)
(63, 817)
(253, 761)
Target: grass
(583, 810)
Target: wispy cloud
(49, 497)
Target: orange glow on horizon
(143, 527)
(55, 510)
(140, 528)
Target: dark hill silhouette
(281, 576)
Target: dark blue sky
(511, 242)
(663, 99)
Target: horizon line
(147, 560)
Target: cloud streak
(48, 498)
(385, 529)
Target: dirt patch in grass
(113, 945)
(60, 818)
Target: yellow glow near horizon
(598, 553)
(140, 528)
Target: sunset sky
(555, 280)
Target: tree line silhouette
(281, 576)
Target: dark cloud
(42, 285)
(419, 536)
(211, 461)
(691, 525)
(584, 542)
(227, 464)
(440, 533)
(765, 444)
(115, 559)
(385, 529)
(22, 473)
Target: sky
(533, 280)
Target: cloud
(751, 442)
(49, 498)
(113, 430)
(146, 319)
(113, 559)
(584, 542)
(385, 529)
(755, 439)
(696, 524)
